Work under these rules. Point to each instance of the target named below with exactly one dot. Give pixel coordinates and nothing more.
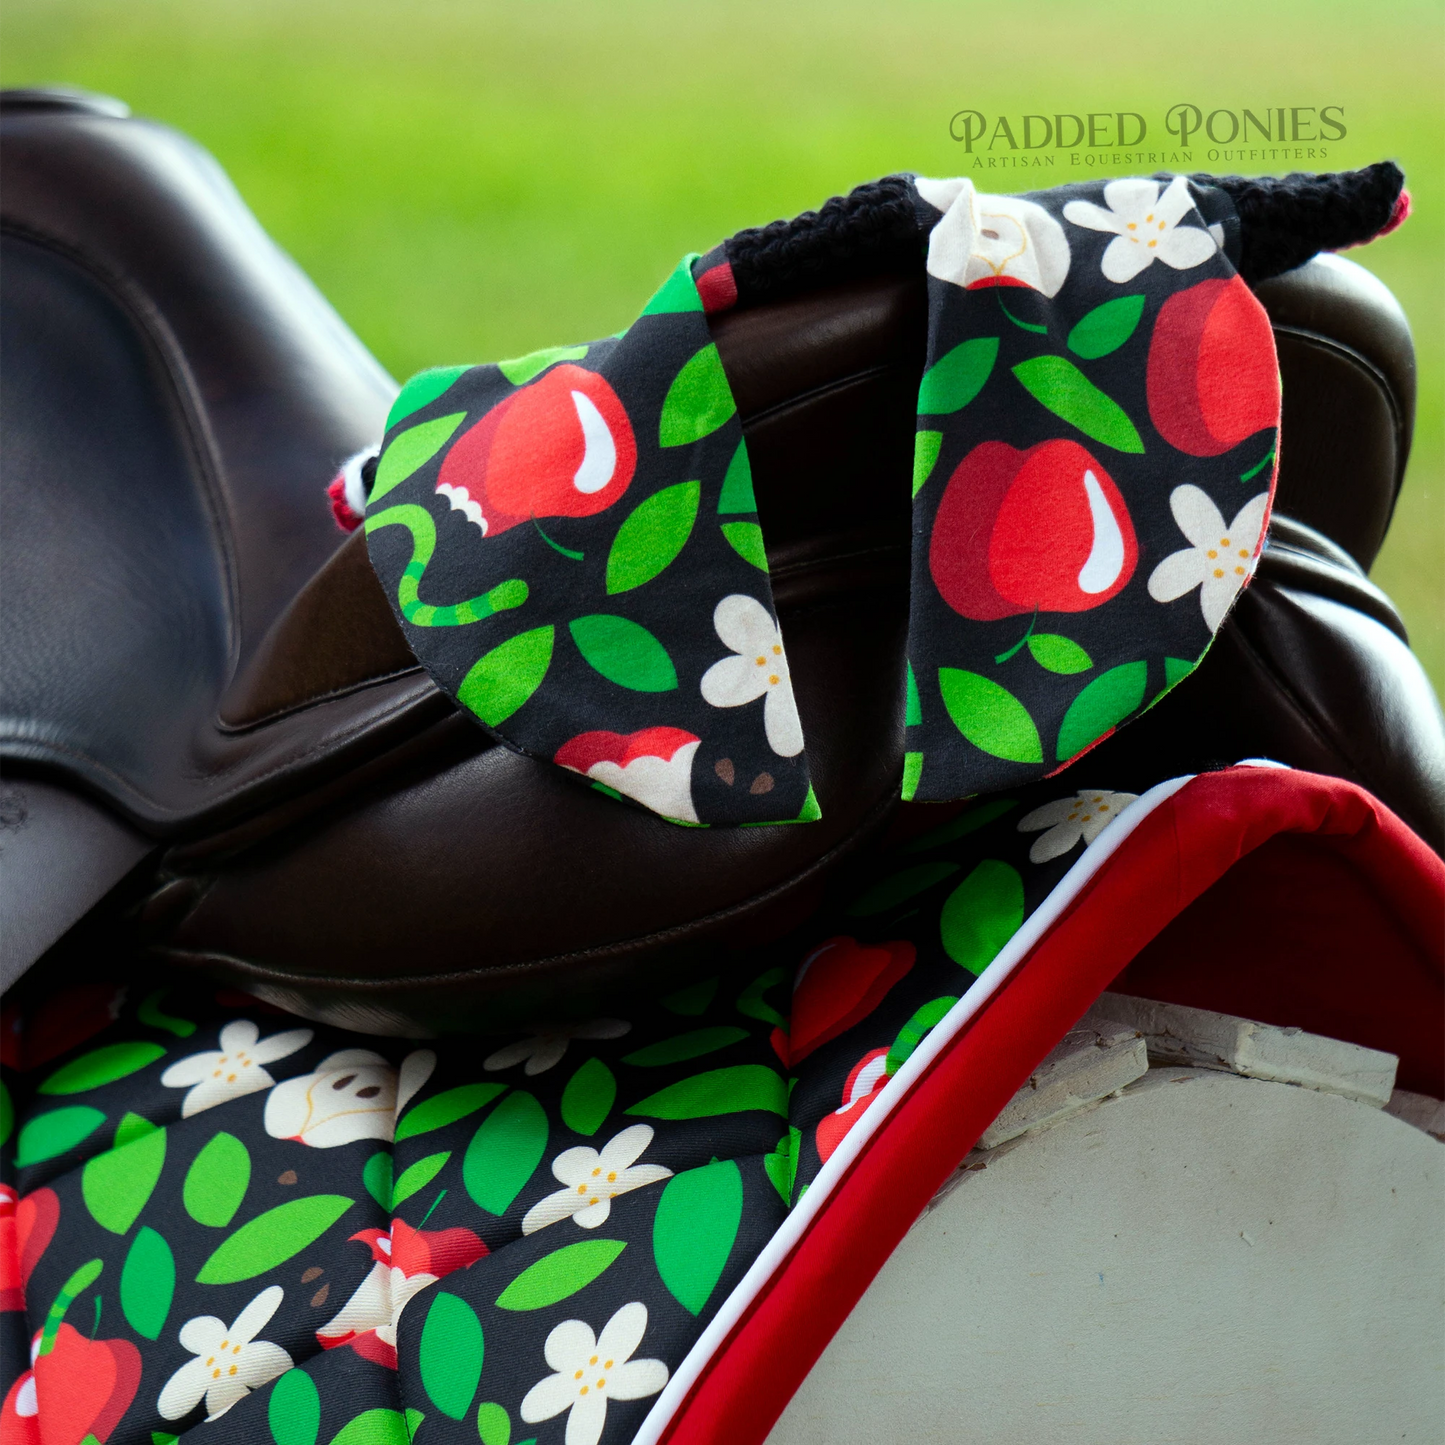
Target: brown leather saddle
(212, 722)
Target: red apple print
(26, 1227)
(864, 1083)
(81, 1387)
(840, 983)
(561, 447)
(62, 1021)
(1213, 378)
(1041, 529)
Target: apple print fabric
(571, 544)
(515, 1238)
(570, 540)
(1094, 462)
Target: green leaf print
(499, 683)
(1100, 707)
(272, 1238)
(132, 1127)
(1056, 383)
(504, 1152)
(912, 776)
(698, 402)
(746, 539)
(562, 1273)
(410, 451)
(47, 1135)
(217, 1181)
(417, 1176)
(494, 1425)
(101, 1066)
(982, 914)
(150, 1013)
(446, 1108)
(1058, 654)
(956, 378)
(420, 391)
(913, 704)
(737, 488)
(376, 1176)
(377, 1426)
(960, 827)
(624, 652)
(916, 1030)
(1176, 669)
(694, 1000)
(589, 1096)
(116, 1185)
(678, 293)
(654, 533)
(686, 1046)
(294, 1409)
(926, 446)
(732, 1090)
(521, 369)
(899, 887)
(752, 1004)
(147, 1283)
(782, 1165)
(990, 716)
(694, 1230)
(451, 1353)
(1106, 328)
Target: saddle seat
(204, 691)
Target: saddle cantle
(200, 668)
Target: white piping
(791, 1231)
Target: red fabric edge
(1176, 853)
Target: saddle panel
(177, 394)
(117, 578)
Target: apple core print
(559, 447)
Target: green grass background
(469, 180)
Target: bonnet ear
(874, 229)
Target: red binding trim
(718, 288)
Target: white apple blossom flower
(591, 1371)
(547, 1046)
(233, 1070)
(229, 1362)
(593, 1179)
(1220, 558)
(760, 669)
(1084, 816)
(1146, 227)
(986, 240)
(350, 1096)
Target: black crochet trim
(874, 229)
(1284, 220)
(870, 231)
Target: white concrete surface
(1179, 1035)
(1205, 1258)
(1092, 1060)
